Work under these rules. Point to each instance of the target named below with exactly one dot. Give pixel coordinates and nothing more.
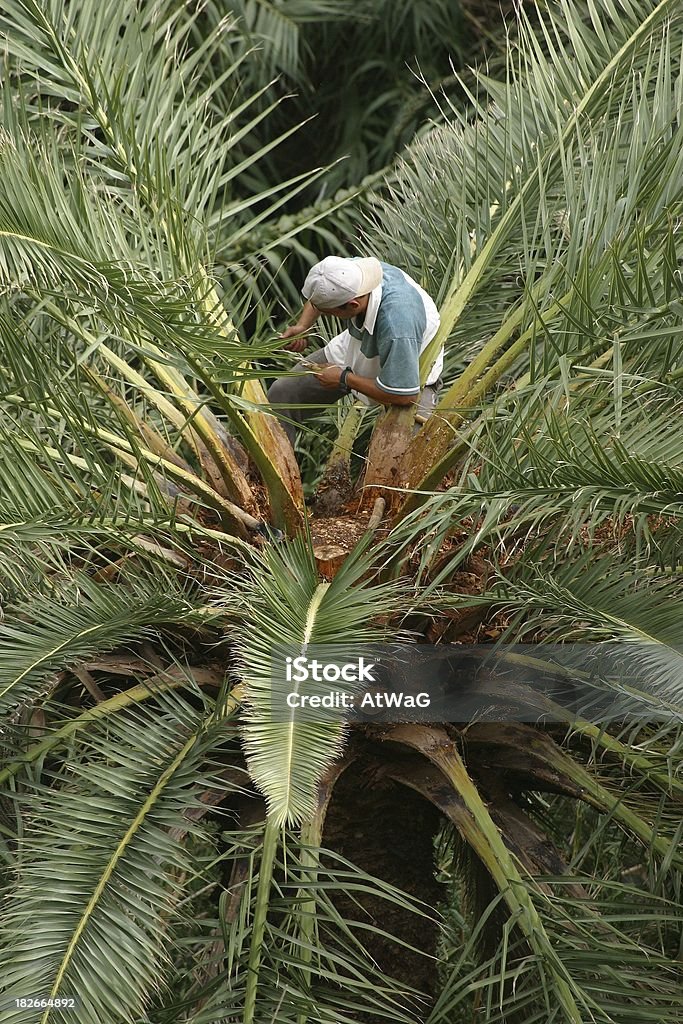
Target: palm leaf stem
(262, 436)
(127, 416)
(482, 834)
(493, 346)
(427, 449)
(459, 293)
(669, 784)
(152, 687)
(156, 397)
(597, 734)
(277, 471)
(268, 853)
(653, 700)
(147, 806)
(205, 424)
(600, 797)
(311, 839)
(230, 513)
(588, 788)
(194, 527)
(311, 614)
(458, 450)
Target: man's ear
(352, 306)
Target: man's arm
(308, 316)
(329, 378)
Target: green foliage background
(161, 839)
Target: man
(390, 321)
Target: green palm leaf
(285, 610)
(99, 868)
(53, 632)
(526, 210)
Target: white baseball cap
(336, 280)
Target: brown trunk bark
(367, 823)
(329, 558)
(275, 460)
(385, 457)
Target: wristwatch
(342, 378)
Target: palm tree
(162, 835)
(348, 65)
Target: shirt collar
(372, 309)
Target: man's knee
(280, 390)
(293, 390)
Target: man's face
(351, 308)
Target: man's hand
(301, 343)
(308, 316)
(329, 376)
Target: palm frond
(604, 955)
(526, 211)
(77, 621)
(105, 875)
(343, 980)
(285, 610)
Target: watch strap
(343, 375)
